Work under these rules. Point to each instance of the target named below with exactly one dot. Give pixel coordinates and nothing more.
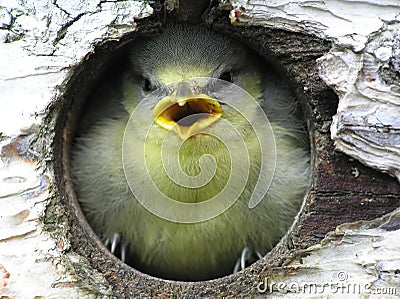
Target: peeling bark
(43, 250)
(366, 126)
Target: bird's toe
(247, 257)
(114, 242)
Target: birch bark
(43, 42)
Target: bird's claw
(248, 255)
(113, 243)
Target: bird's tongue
(188, 116)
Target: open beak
(186, 113)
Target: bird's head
(172, 59)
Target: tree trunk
(350, 47)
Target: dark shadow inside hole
(105, 93)
(103, 102)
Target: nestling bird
(187, 112)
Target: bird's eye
(226, 76)
(146, 85)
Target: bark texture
(51, 49)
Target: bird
(173, 126)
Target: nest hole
(92, 95)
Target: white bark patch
(367, 123)
(42, 40)
(29, 257)
(355, 261)
(348, 22)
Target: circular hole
(186, 251)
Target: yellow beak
(186, 113)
